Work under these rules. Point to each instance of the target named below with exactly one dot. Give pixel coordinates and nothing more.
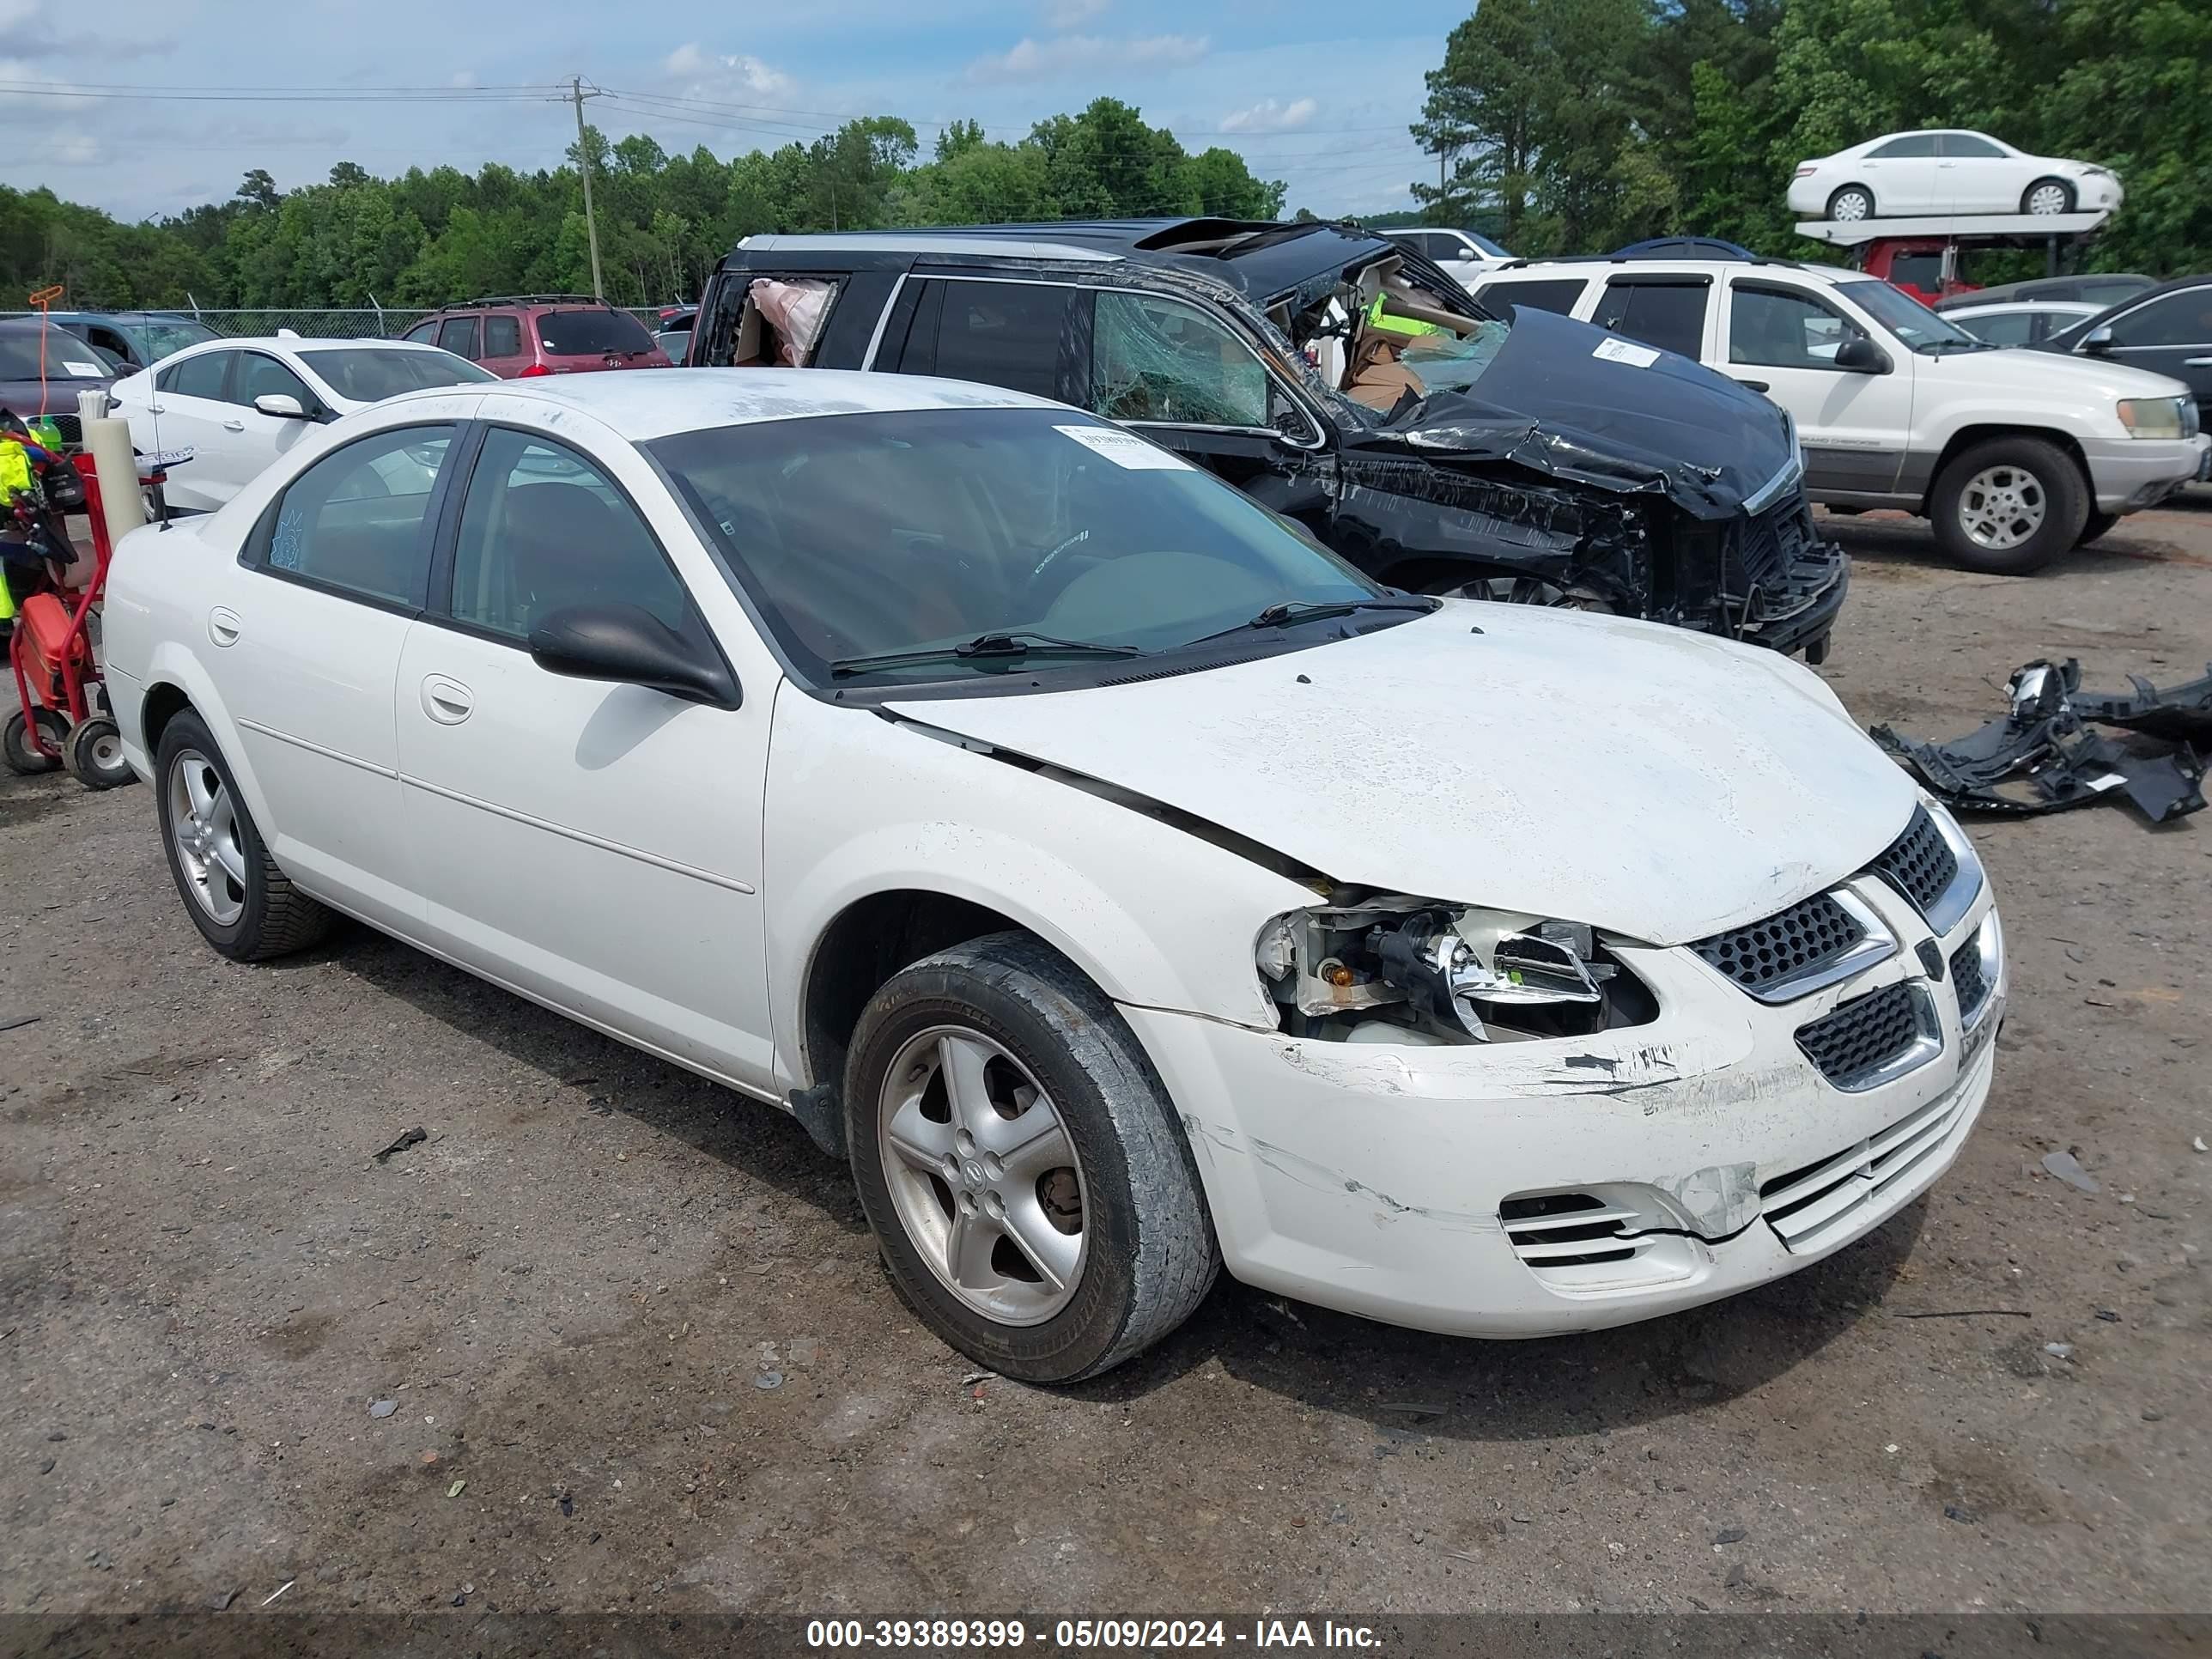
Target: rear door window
(1913, 147)
(1559, 296)
(1157, 359)
(1004, 334)
(357, 521)
(459, 336)
(1670, 315)
(203, 376)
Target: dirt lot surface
(580, 1287)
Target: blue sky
(1293, 84)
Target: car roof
(2084, 306)
(2076, 330)
(646, 403)
(1262, 257)
(1599, 265)
(2039, 287)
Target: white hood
(1658, 784)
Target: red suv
(526, 334)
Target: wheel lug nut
(995, 1205)
(964, 1141)
(993, 1165)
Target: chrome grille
(1864, 1036)
(1919, 863)
(1788, 945)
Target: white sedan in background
(239, 404)
(1075, 847)
(1912, 174)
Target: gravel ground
(578, 1289)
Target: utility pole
(584, 162)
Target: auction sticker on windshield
(1122, 448)
(1620, 351)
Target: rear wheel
(241, 903)
(2046, 197)
(2008, 506)
(1850, 204)
(24, 756)
(93, 754)
(1017, 1158)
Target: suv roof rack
(1706, 248)
(527, 299)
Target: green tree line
(429, 237)
(1580, 125)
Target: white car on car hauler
(1895, 405)
(1085, 853)
(1904, 173)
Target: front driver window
(544, 529)
(354, 520)
(1155, 359)
(260, 377)
(1771, 330)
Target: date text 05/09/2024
(951, 1635)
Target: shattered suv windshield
(959, 543)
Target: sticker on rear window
(1122, 448)
(83, 371)
(1620, 351)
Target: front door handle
(223, 625)
(448, 701)
(2197, 362)
(1752, 385)
(234, 426)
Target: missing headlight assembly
(1391, 968)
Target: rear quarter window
(1558, 296)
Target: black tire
(275, 917)
(2065, 203)
(2096, 525)
(93, 754)
(1149, 1253)
(2046, 473)
(1507, 588)
(1859, 193)
(24, 757)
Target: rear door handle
(2197, 362)
(234, 426)
(448, 701)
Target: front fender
(858, 806)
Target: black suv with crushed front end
(1348, 383)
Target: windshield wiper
(1019, 642)
(1937, 348)
(1283, 612)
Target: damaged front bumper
(1527, 1188)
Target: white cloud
(1268, 116)
(1086, 54)
(1067, 13)
(739, 71)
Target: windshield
(1906, 318)
(1486, 245)
(592, 333)
(859, 536)
(367, 374)
(158, 340)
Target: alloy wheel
(2001, 507)
(204, 829)
(984, 1177)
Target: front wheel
(2010, 506)
(1518, 590)
(2046, 197)
(1028, 1186)
(241, 903)
(2096, 525)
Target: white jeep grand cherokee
(2013, 456)
(1125, 885)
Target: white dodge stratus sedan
(1125, 885)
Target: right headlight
(1393, 968)
(2152, 417)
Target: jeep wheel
(2008, 506)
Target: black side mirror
(624, 644)
(1861, 355)
(2098, 341)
